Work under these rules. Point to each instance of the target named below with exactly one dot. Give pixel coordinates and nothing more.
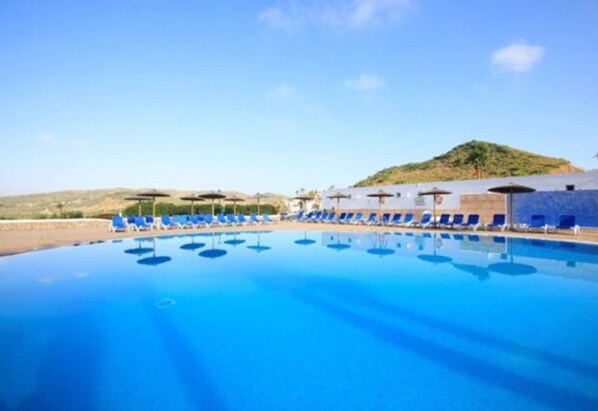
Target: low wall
(7, 225)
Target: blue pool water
(294, 320)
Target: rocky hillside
(475, 159)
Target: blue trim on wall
(583, 204)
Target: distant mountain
(474, 159)
(94, 202)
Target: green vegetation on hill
(91, 203)
(474, 159)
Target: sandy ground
(19, 241)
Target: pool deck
(15, 240)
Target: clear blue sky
(277, 95)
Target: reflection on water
(213, 252)
(154, 260)
(479, 255)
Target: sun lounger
(498, 221)
(181, 221)
(443, 220)
(385, 219)
(150, 220)
(473, 222)
(118, 224)
(330, 218)
(131, 219)
(241, 220)
(407, 221)
(457, 221)
(166, 222)
(221, 219)
(209, 220)
(231, 220)
(396, 219)
(567, 222)
(372, 219)
(266, 219)
(424, 222)
(198, 221)
(340, 218)
(253, 219)
(139, 224)
(358, 219)
(537, 222)
(348, 219)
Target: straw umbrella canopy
(380, 194)
(234, 200)
(213, 195)
(303, 197)
(338, 195)
(139, 199)
(258, 197)
(511, 189)
(435, 192)
(193, 198)
(153, 194)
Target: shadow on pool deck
(198, 388)
(322, 294)
(68, 372)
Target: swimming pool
(301, 320)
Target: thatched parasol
(153, 194)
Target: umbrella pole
(139, 208)
(154, 207)
(434, 207)
(235, 207)
(511, 209)
(191, 207)
(212, 206)
(258, 206)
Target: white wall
(405, 195)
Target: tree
(478, 157)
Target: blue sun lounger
(198, 221)
(358, 219)
(330, 218)
(241, 220)
(498, 221)
(166, 222)
(118, 224)
(253, 219)
(424, 222)
(221, 219)
(385, 219)
(537, 222)
(407, 221)
(372, 219)
(209, 220)
(567, 222)
(139, 224)
(457, 221)
(443, 220)
(348, 219)
(181, 221)
(266, 219)
(473, 222)
(340, 218)
(396, 219)
(230, 218)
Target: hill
(474, 159)
(94, 202)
